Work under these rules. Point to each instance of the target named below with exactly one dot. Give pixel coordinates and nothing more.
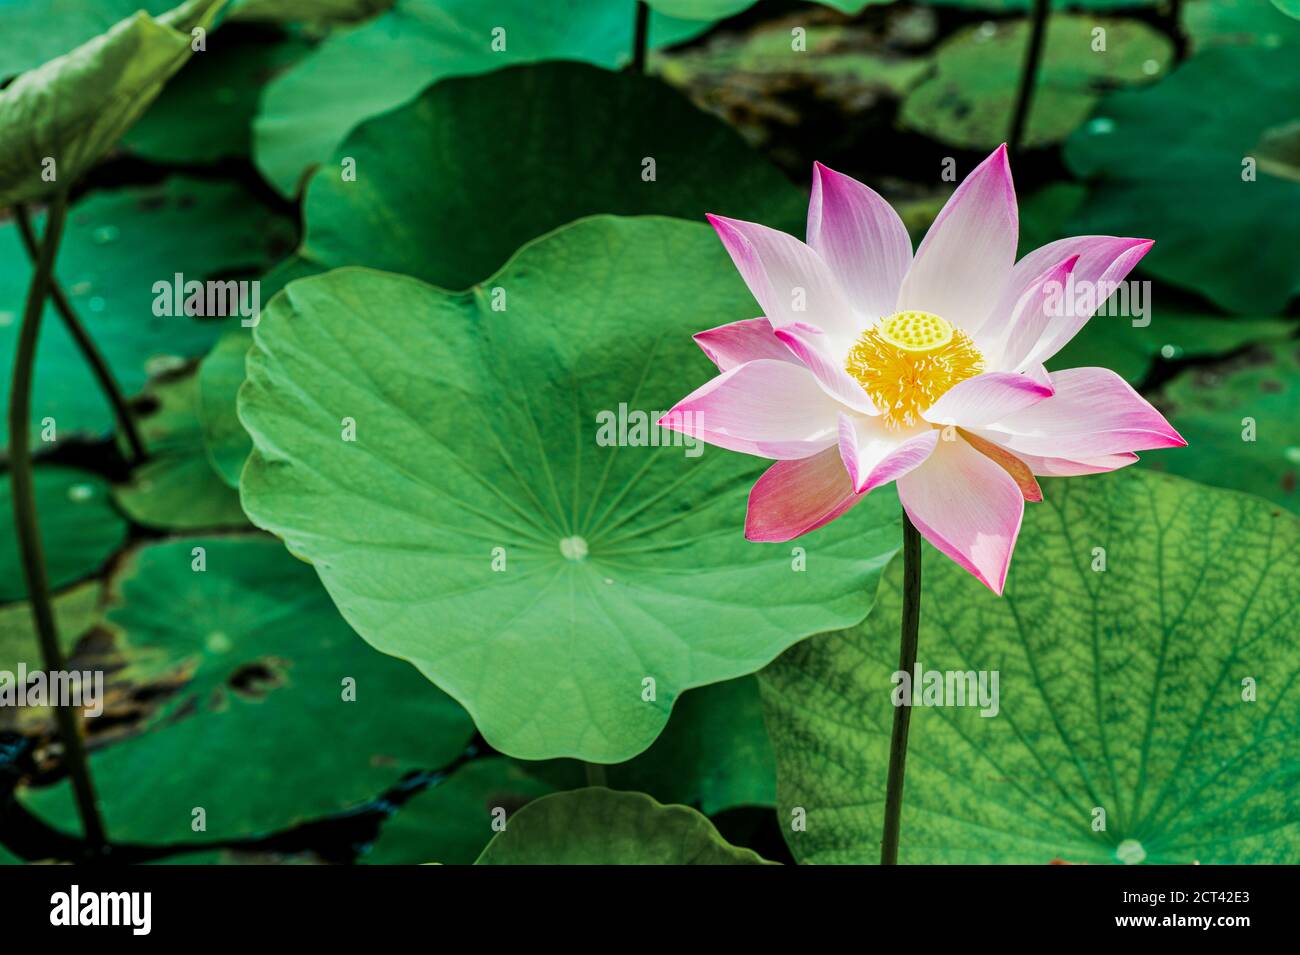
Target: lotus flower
(873, 365)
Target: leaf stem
(25, 522)
(596, 775)
(640, 37)
(902, 714)
(89, 351)
(1028, 76)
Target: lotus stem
(596, 775)
(103, 374)
(1028, 76)
(903, 713)
(25, 522)
(640, 36)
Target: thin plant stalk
(640, 37)
(596, 775)
(902, 713)
(28, 531)
(89, 351)
(1028, 76)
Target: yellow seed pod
(916, 331)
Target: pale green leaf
(622, 574)
(58, 119)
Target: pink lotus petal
(795, 497)
(789, 280)
(1039, 307)
(991, 396)
(730, 345)
(966, 257)
(873, 455)
(1094, 413)
(1020, 472)
(810, 346)
(860, 236)
(1062, 467)
(1103, 260)
(774, 409)
(968, 507)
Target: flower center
(908, 360)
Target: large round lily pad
(603, 827)
(80, 529)
(970, 101)
(262, 733)
(382, 63)
(459, 479)
(1155, 697)
(1171, 163)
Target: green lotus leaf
(45, 29)
(452, 821)
(1130, 347)
(381, 64)
(721, 9)
(1290, 7)
(1145, 652)
(262, 733)
(1239, 419)
(177, 488)
(453, 466)
(76, 610)
(1162, 324)
(116, 246)
(743, 79)
(58, 119)
(1237, 23)
(1169, 163)
(205, 113)
(603, 827)
(1278, 151)
(582, 131)
(970, 100)
(220, 376)
(569, 140)
(1021, 6)
(307, 11)
(700, 9)
(714, 754)
(79, 528)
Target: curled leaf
(57, 120)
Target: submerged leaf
(281, 714)
(79, 528)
